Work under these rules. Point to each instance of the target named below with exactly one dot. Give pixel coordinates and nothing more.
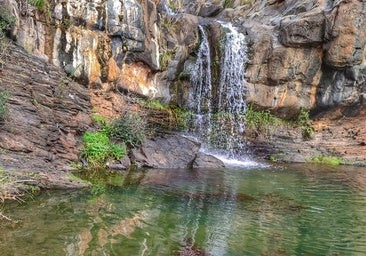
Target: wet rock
(211, 8)
(203, 160)
(169, 151)
(123, 164)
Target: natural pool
(258, 210)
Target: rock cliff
(302, 54)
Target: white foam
(247, 163)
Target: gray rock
(304, 31)
(122, 164)
(207, 161)
(169, 151)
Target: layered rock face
(302, 54)
(306, 54)
(95, 41)
(47, 114)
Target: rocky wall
(306, 54)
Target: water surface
(292, 210)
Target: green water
(293, 210)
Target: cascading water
(200, 98)
(219, 109)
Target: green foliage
(303, 120)
(327, 160)
(6, 21)
(100, 120)
(98, 149)
(182, 117)
(98, 188)
(175, 5)
(39, 4)
(4, 96)
(228, 3)
(156, 105)
(130, 128)
(261, 121)
(166, 58)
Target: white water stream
(219, 108)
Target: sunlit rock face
(93, 40)
(302, 54)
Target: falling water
(200, 100)
(220, 108)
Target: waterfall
(220, 108)
(200, 98)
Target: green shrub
(100, 120)
(166, 58)
(303, 120)
(39, 4)
(130, 128)
(155, 104)
(4, 96)
(98, 149)
(182, 118)
(328, 160)
(261, 121)
(6, 21)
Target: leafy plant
(4, 96)
(182, 117)
(261, 121)
(303, 120)
(98, 149)
(98, 188)
(166, 58)
(175, 5)
(156, 104)
(6, 21)
(328, 160)
(100, 120)
(130, 128)
(228, 3)
(39, 4)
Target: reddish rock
(346, 34)
(47, 114)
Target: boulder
(167, 151)
(207, 161)
(346, 34)
(173, 152)
(303, 31)
(122, 164)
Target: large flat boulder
(168, 151)
(173, 152)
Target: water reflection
(293, 210)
